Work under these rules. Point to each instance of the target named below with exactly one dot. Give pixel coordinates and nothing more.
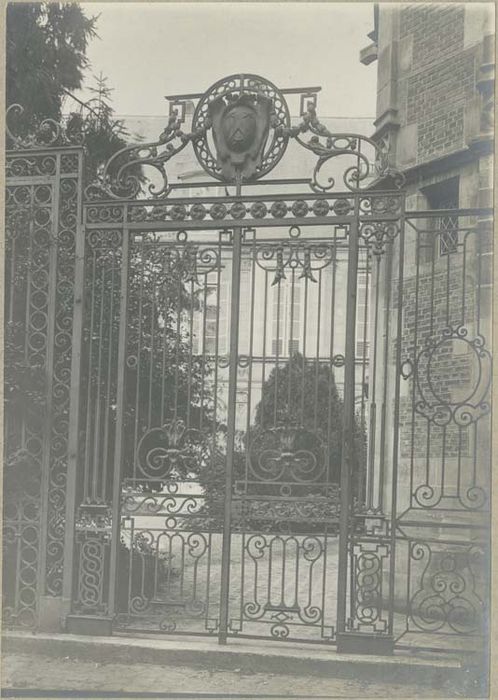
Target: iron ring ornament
(247, 116)
(428, 370)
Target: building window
(444, 195)
(448, 238)
(245, 305)
(362, 321)
(211, 321)
(286, 318)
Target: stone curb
(248, 658)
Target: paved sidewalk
(23, 672)
(126, 666)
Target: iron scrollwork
(377, 234)
(46, 134)
(370, 159)
(287, 452)
(446, 599)
(120, 180)
(93, 541)
(267, 601)
(367, 601)
(66, 240)
(240, 130)
(306, 258)
(437, 403)
(430, 362)
(170, 450)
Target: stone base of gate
(363, 643)
(89, 624)
(50, 614)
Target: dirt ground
(24, 672)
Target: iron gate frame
(374, 227)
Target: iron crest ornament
(241, 121)
(240, 132)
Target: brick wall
(440, 79)
(451, 371)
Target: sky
(149, 50)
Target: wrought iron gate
(228, 454)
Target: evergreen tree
(304, 394)
(46, 58)
(104, 135)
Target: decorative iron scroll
(446, 598)
(158, 597)
(368, 601)
(291, 453)
(428, 368)
(240, 130)
(21, 542)
(301, 604)
(93, 541)
(118, 179)
(300, 257)
(327, 145)
(376, 235)
(47, 133)
(41, 220)
(170, 451)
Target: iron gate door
(225, 367)
(232, 430)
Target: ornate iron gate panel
(420, 562)
(43, 208)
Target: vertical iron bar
(373, 389)
(232, 397)
(385, 372)
(348, 426)
(263, 361)
(73, 461)
(317, 361)
(107, 408)
(49, 370)
(98, 458)
(89, 392)
(361, 481)
(201, 347)
(397, 381)
(418, 243)
(120, 408)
